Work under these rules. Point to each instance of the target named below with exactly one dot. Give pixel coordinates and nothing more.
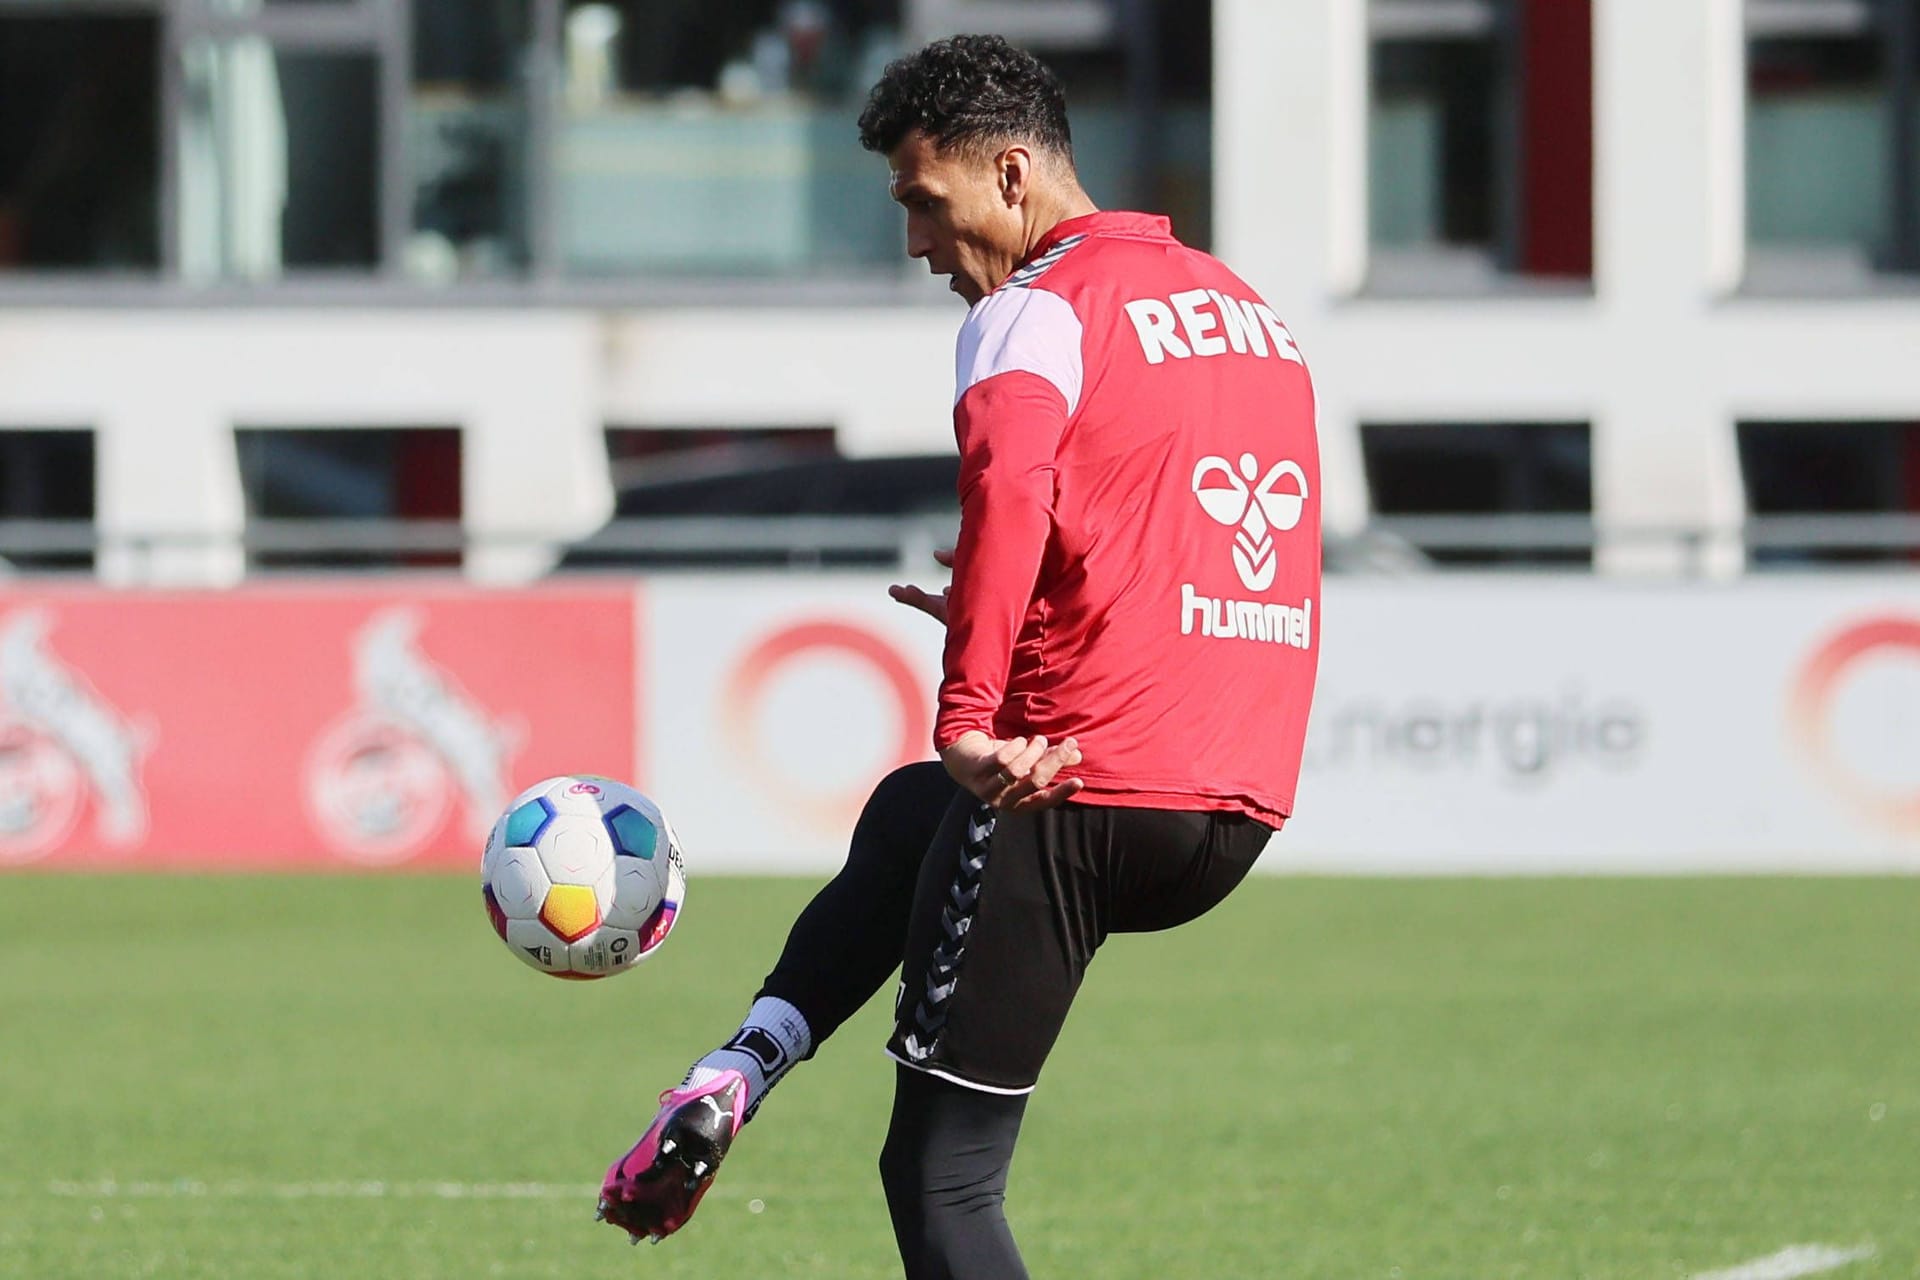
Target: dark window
(1832, 469)
(1482, 469)
(731, 480)
(79, 142)
(345, 477)
(1481, 139)
(641, 458)
(468, 123)
(47, 476)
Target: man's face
(960, 218)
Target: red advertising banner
(303, 726)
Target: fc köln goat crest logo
(1259, 503)
(61, 745)
(384, 776)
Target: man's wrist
(945, 740)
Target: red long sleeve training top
(1139, 554)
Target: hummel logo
(1254, 509)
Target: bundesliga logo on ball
(582, 877)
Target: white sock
(769, 1042)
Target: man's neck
(1050, 211)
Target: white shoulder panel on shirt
(1024, 329)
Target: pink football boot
(653, 1189)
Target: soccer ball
(582, 877)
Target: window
(742, 497)
(468, 124)
(46, 477)
(379, 479)
(1480, 147)
(1833, 138)
(288, 156)
(705, 139)
(708, 139)
(79, 141)
(441, 142)
(279, 162)
(1475, 470)
(644, 458)
(1835, 469)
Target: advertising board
(1463, 724)
(301, 726)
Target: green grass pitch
(350, 1077)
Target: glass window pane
(718, 473)
(467, 128)
(1830, 468)
(718, 139)
(1432, 142)
(241, 8)
(47, 475)
(709, 139)
(1469, 469)
(279, 163)
(1480, 146)
(350, 474)
(1817, 143)
(79, 142)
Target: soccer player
(1132, 632)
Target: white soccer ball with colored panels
(583, 877)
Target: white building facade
(1674, 341)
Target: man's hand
(933, 606)
(1013, 774)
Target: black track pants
(996, 918)
(945, 1171)
(847, 943)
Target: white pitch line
(341, 1189)
(1793, 1261)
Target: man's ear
(1015, 167)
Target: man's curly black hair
(968, 91)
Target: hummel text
(1246, 619)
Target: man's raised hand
(933, 606)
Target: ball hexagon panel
(607, 951)
(571, 911)
(495, 915)
(658, 928)
(519, 882)
(660, 924)
(526, 821)
(575, 848)
(634, 833)
(636, 893)
(536, 946)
